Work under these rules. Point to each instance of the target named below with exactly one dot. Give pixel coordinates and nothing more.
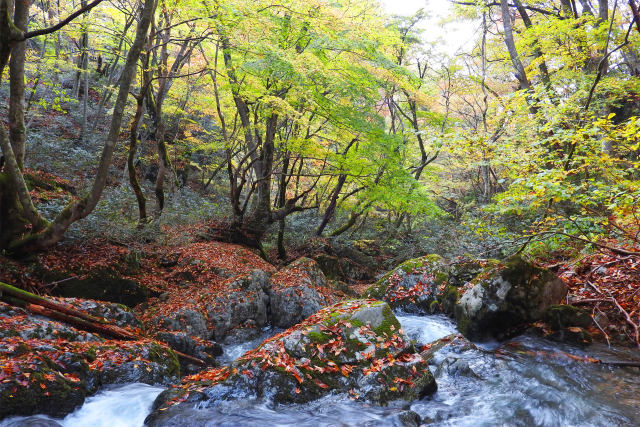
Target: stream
(527, 381)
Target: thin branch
(67, 20)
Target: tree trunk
(133, 145)
(328, 214)
(16, 84)
(82, 207)
(54, 310)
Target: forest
(319, 212)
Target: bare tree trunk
(82, 207)
(328, 214)
(521, 75)
(16, 85)
(544, 71)
(133, 145)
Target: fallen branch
(43, 307)
(23, 295)
(628, 318)
(589, 301)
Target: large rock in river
(428, 284)
(355, 346)
(241, 310)
(413, 286)
(506, 296)
(47, 367)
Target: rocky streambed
(527, 381)
(397, 358)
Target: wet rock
(32, 422)
(454, 344)
(454, 366)
(189, 321)
(561, 316)
(509, 295)
(47, 367)
(403, 419)
(355, 347)
(414, 285)
(293, 294)
(204, 350)
(571, 335)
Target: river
(528, 381)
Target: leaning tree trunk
(78, 209)
(133, 146)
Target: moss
(389, 320)
(166, 357)
(562, 316)
(318, 337)
(434, 307)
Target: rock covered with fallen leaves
(508, 295)
(237, 308)
(428, 284)
(355, 347)
(48, 367)
(413, 286)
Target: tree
(43, 233)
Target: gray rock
(354, 347)
(189, 321)
(507, 296)
(246, 299)
(293, 292)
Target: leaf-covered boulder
(414, 285)
(294, 292)
(506, 296)
(47, 367)
(355, 347)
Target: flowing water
(526, 382)
(123, 406)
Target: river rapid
(525, 382)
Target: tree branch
(67, 20)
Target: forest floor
(605, 284)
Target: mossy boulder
(505, 297)
(49, 367)
(414, 285)
(354, 347)
(560, 316)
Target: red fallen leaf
(297, 390)
(247, 373)
(346, 370)
(43, 386)
(320, 383)
(298, 377)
